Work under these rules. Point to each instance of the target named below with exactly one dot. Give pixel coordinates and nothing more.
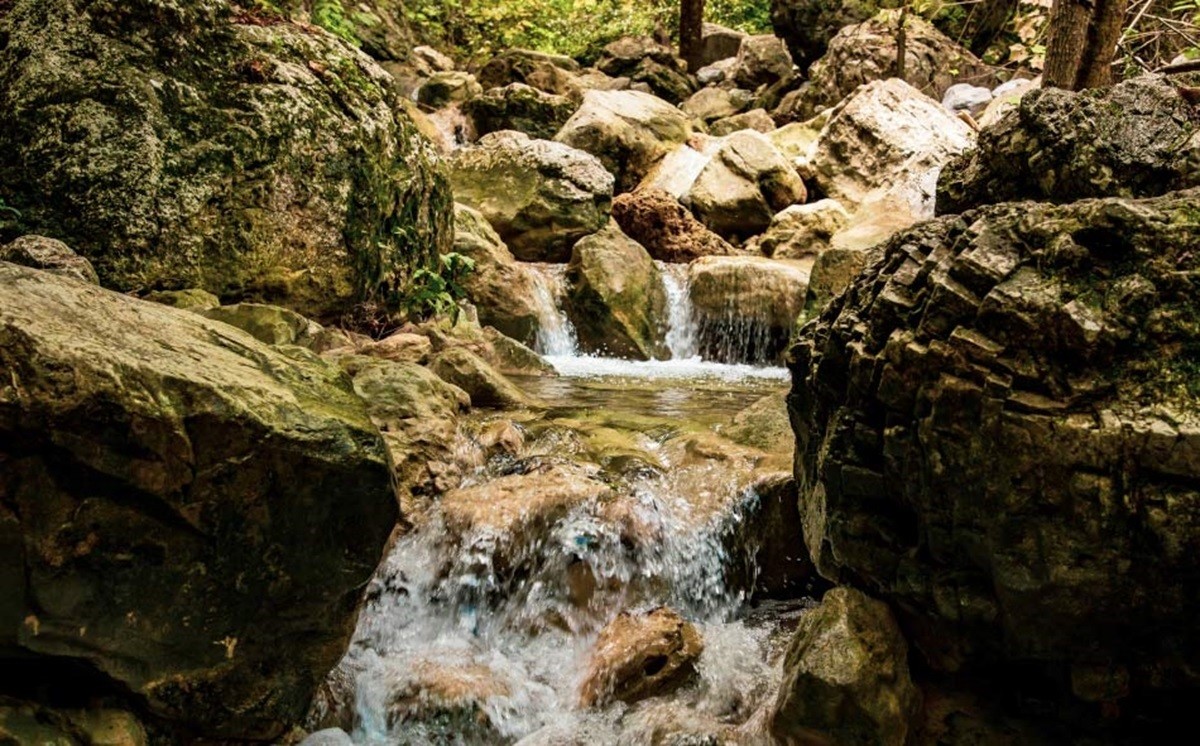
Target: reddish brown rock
(657, 221)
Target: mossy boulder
(194, 145)
(520, 107)
(270, 325)
(187, 516)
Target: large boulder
(866, 52)
(503, 290)
(188, 516)
(746, 305)
(710, 104)
(552, 73)
(803, 230)
(628, 131)
(718, 43)
(540, 196)
(51, 255)
(761, 60)
(449, 87)
(998, 431)
(845, 677)
(643, 60)
(270, 325)
(667, 229)
(743, 186)
(639, 655)
(808, 25)
(1139, 138)
(520, 107)
(615, 297)
(276, 164)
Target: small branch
(1188, 66)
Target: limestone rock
(832, 272)
(443, 701)
(1005, 98)
(153, 460)
(866, 52)
(761, 60)
(450, 87)
(645, 61)
(968, 98)
(640, 655)
(400, 347)
(628, 131)
(755, 119)
(984, 420)
(615, 297)
(746, 305)
(718, 43)
(486, 386)
(540, 196)
(803, 230)
(328, 737)
(808, 25)
(1139, 138)
(49, 255)
(845, 677)
(270, 325)
(502, 289)
(275, 166)
(520, 107)
(743, 186)
(666, 229)
(193, 299)
(711, 104)
(552, 73)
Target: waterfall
(682, 330)
(556, 334)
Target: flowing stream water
(623, 496)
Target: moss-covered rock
(50, 255)
(182, 145)
(186, 515)
(520, 107)
(270, 325)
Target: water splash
(682, 330)
(556, 334)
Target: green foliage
(431, 293)
(330, 15)
(5, 209)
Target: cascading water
(682, 332)
(556, 334)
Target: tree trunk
(691, 32)
(1082, 43)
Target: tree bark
(691, 32)
(1082, 43)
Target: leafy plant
(5, 208)
(433, 293)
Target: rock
(645, 61)
(782, 567)
(25, 723)
(743, 186)
(796, 140)
(718, 43)
(717, 72)
(445, 701)
(832, 272)
(400, 347)
(328, 737)
(755, 119)
(803, 230)
(270, 325)
(711, 104)
(966, 97)
(983, 420)
(666, 229)
(503, 290)
(866, 53)
(540, 196)
(193, 299)
(628, 131)
(486, 386)
(522, 108)
(501, 437)
(1139, 138)
(49, 255)
(450, 87)
(808, 25)
(845, 677)
(887, 140)
(144, 167)
(552, 73)
(429, 60)
(615, 297)
(186, 510)
(746, 305)
(639, 656)
(510, 357)
(761, 60)
(1005, 98)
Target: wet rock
(803, 230)
(718, 43)
(486, 386)
(24, 724)
(193, 299)
(49, 255)
(501, 288)
(711, 104)
(450, 87)
(743, 186)
(270, 325)
(187, 510)
(510, 357)
(666, 229)
(519, 107)
(866, 53)
(983, 420)
(160, 183)
(400, 347)
(616, 297)
(761, 60)
(552, 73)
(328, 737)
(501, 437)
(755, 119)
(1139, 138)
(746, 305)
(764, 425)
(887, 140)
(540, 196)
(645, 61)
(966, 97)
(808, 25)
(773, 529)
(444, 701)
(846, 676)
(639, 656)
(628, 131)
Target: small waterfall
(734, 338)
(556, 334)
(682, 331)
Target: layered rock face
(184, 145)
(997, 431)
(187, 516)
